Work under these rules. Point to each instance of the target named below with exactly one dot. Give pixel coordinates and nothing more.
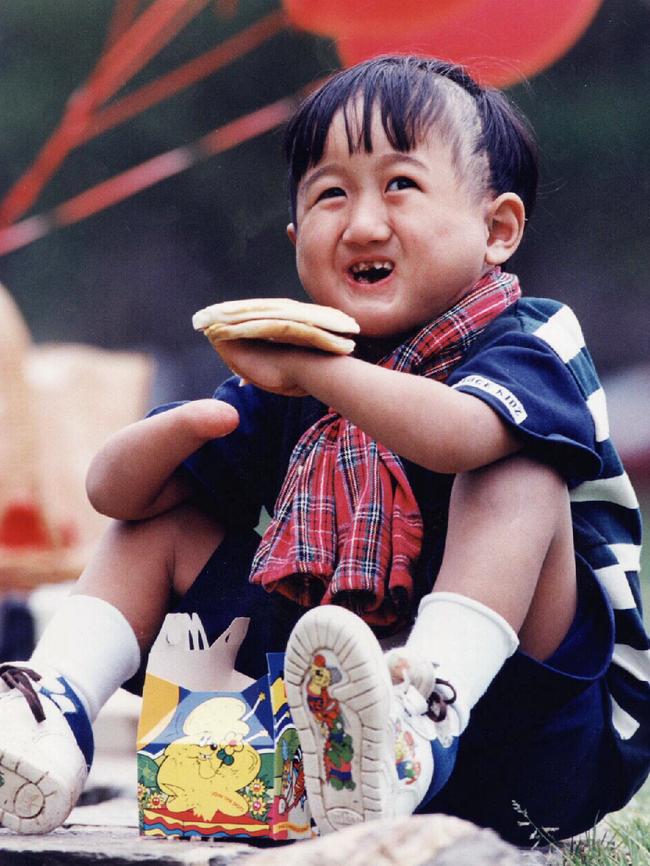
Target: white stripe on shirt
(615, 584)
(635, 662)
(629, 555)
(597, 405)
(623, 722)
(617, 490)
(562, 332)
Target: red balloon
(500, 42)
(374, 18)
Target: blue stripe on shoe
(77, 719)
(444, 760)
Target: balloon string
(124, 13)
(127, 51)
(150, 32)
(148, 173)
(189, 73)
(130, 51)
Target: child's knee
(194, 535)
(175, 544)
(516, 482)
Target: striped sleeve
(540, 378)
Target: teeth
(371, 266)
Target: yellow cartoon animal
(205, 770)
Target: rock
(419, 840)
(106, 834)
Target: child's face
(393, 239)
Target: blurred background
(167, 192)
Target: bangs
(410, 101)
(492, 146)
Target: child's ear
(291, 233)
(506, 220)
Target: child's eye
(398, 183)
(330, 192)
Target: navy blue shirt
(532, 368)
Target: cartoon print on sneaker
(408, 768)
(292, 781)
(337, 748)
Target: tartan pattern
(346, 527)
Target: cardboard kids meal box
(218, 755)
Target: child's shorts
(540, 746)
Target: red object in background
(500, 42)
(22, 525)
(374, 18)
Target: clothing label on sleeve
(507, 398)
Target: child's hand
(204, 419)
(134, 475)
(273, 367)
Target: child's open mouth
(371, 272)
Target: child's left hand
(263, 339)
(271, 366)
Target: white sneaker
(46, 747)
(367, 744)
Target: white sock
(91, 644)
(459, 640)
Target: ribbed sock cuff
(466, 640)
(92, 644)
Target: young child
(449, 496)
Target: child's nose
(367, 222)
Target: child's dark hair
(410, 99)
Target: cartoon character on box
(200, 776)
(207, 769)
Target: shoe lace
(438, 702)
(442, 697)
(20, 678)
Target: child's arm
(134, 475)
(422, 420)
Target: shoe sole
(349, 772)
(32, 801)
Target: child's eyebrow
(385, 161)
(310, 179)
(399, 157)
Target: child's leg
(510, 546)
(92, 644)
(138, 565)
(508, 564)
(508, 568)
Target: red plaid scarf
(346, 527)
